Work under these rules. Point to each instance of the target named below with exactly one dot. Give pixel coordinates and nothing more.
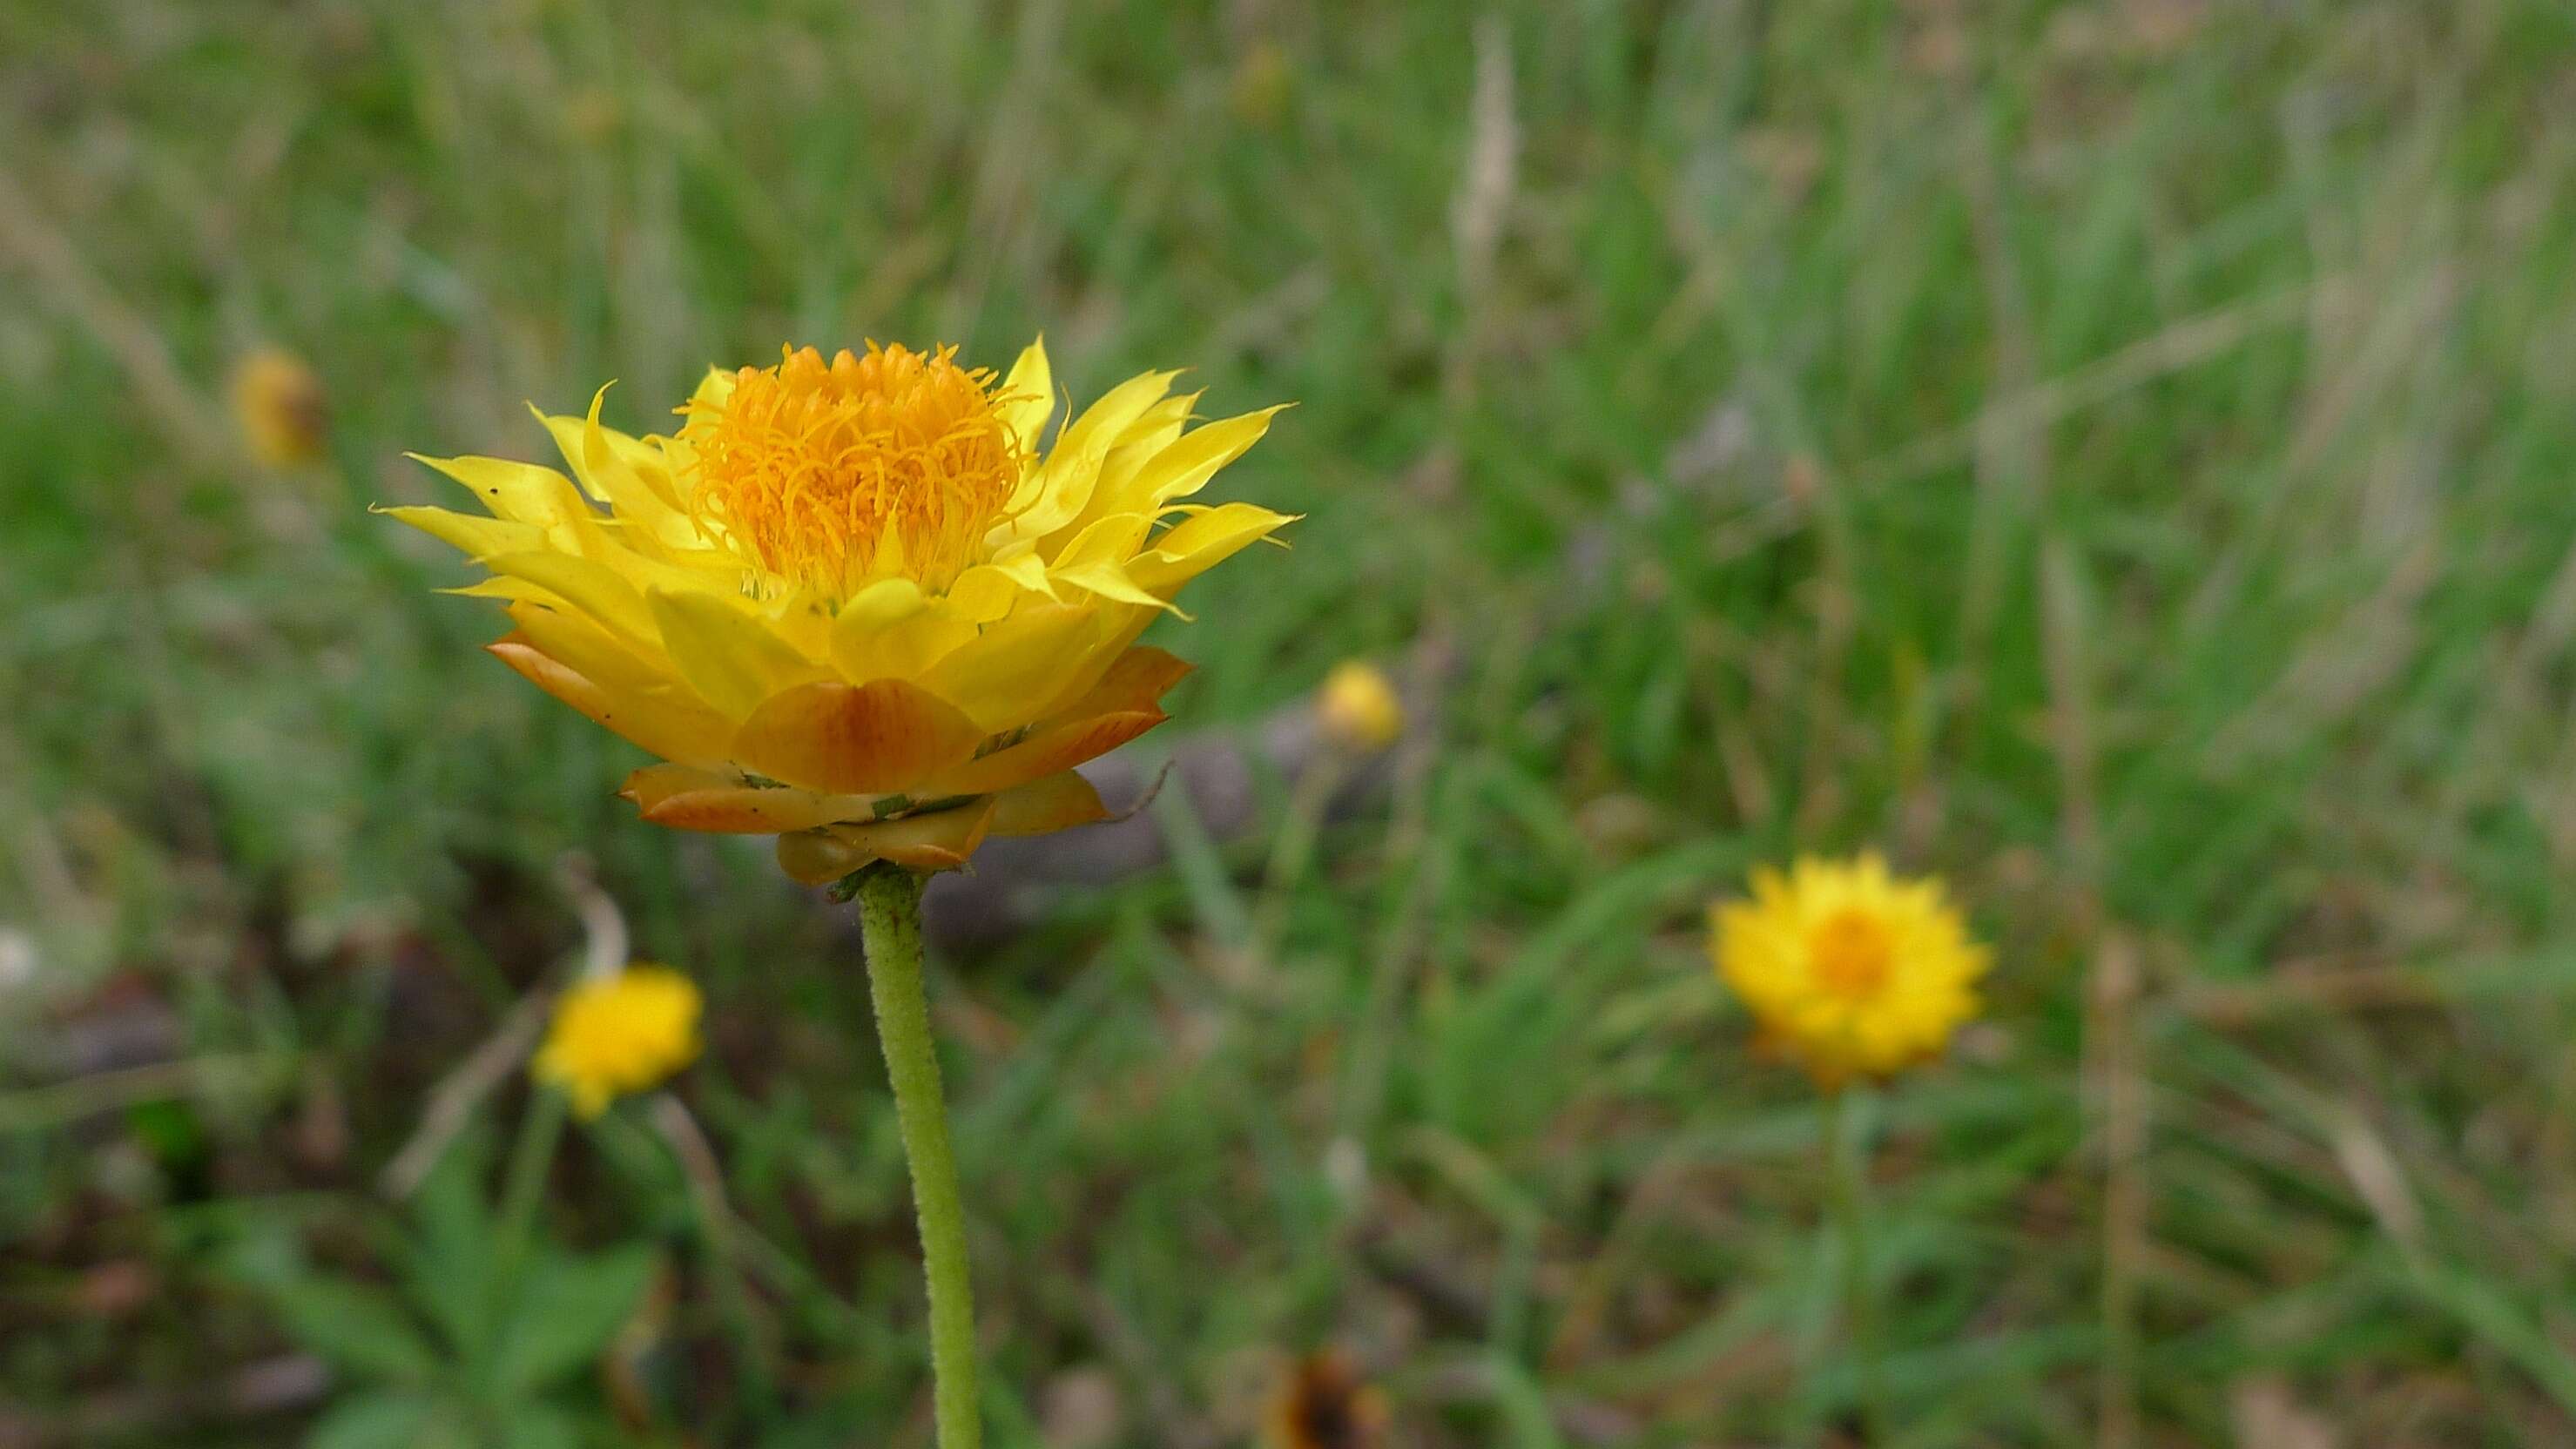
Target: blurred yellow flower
(1358, 708)
(855, 603)
(613, 1035)
(277, 401)
(1324, 1403)
(1847, 969)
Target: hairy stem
(1845, 1166)
(890, 925)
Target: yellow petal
(684, 798)
(571, 637)
(1031, 385)
(891, 630)
(744, 810)
(1152, 432)
(941, 840)
(1053, 802)
(1111, 538)
(725, 652)
(476, 538)
(507, 590)
(613, 467)
(1136, 680)
(589, 587)
(1120, 624)
(885, 735)
(1064, 484)
(801, 620)
(714, 389)
(520, 492)
(818, 858)
(652, 784)
(1185, 467)
(1100, 425)
(1052, 748)
(1110, 581)
(1012, 573)
(1200, 543)
(672, 734)
(1003, 676)
(1144, 440)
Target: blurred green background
(2114, 455)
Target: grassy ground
(2114, 455)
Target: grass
(2113, 455)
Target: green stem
(1844, 1175)
(890, 925)
(522, 1189)
(540, 1128)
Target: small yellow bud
(1359, 708)
(278, 403)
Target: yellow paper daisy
(614, 1035)
(857, 603)
(1847, 969)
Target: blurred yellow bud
(1359, 709)
(278, 403)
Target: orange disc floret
(890, 463)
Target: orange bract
(892, 462)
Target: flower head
(613, 1035)
(857, 603)
(278, 403)
(1324, 1403)
(1849, 970)
(1358, 708)
(824, 477)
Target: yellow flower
(1848, 970)
(1358, 708)
(855, 604)
(278, 403)
(618, 1034)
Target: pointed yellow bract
(615, 1035)
(1849, 970)
(849, 596)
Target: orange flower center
(1852, 954)
(830, 476)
